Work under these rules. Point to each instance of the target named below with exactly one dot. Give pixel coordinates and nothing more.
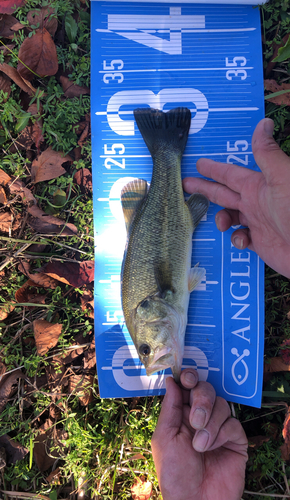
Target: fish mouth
(165, 358)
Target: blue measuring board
(209, 59)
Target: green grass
(105, 444)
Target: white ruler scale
(207, 58)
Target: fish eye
(144, 350)
(145, 304)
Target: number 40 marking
(139, 28)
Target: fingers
(227, 174)
(188, 379)
(204, 438)
(231, 435)
(202, 400)
(170, 417)
(273, 162)
(216, 193)
(226, 218)
(241, 239)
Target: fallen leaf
(48, 165)
(5, 84)
(75, 274)
(44, 17)
(81, 386)
(71, 89)
(14, 450)
(17, 187)
(5, 222)
(6, 22)
(272, 86)
(90, 356)
(285, 351)
(9, 6)
(54, 477)
(286, 435)
(83, 178)
(38, 278)
(6, 387)
(141, 489)
(47, 439)
(16, 77)
(87, 303)
(4, 178)
(38, 53)
(84, 135)
(49, 224)
(3, 197)
(67, 357)
(46, 335)
(6, 310)
(257, 441)
(28, 293)
(276, 365)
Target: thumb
(269, 157)
(170, 418)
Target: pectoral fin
(195, 277)
(198, 206)
(132, 196)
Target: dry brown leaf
(257, 441)
(273, 86)
(3, 197)
(6, 23)
(44, 223)
(48, 438)
(43, 17)
(276, 365)
(5, 84)
(6, 387)
(4, 178)
(5, 222)
(17, 187)
(71, 89)
(141, 489)
(75, 274)
(81, 386)
(15, 76)
(39, 279)
(87, 302)
(46, 335)
(90, 356)
(14, 450)
(83, 178)
(38, 53)
(9, 6)
(28, 293)
(6, 310)
(48, 165)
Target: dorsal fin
(198, 206)
(132, 196)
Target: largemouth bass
(157, 277)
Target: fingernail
(269, 127)
(190, 378)
(238, 242)
(200, 440)
(198, 418)
(217, 221)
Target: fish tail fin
(166, 130)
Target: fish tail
(164, 130)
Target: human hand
(202, 455)
(258, 200)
